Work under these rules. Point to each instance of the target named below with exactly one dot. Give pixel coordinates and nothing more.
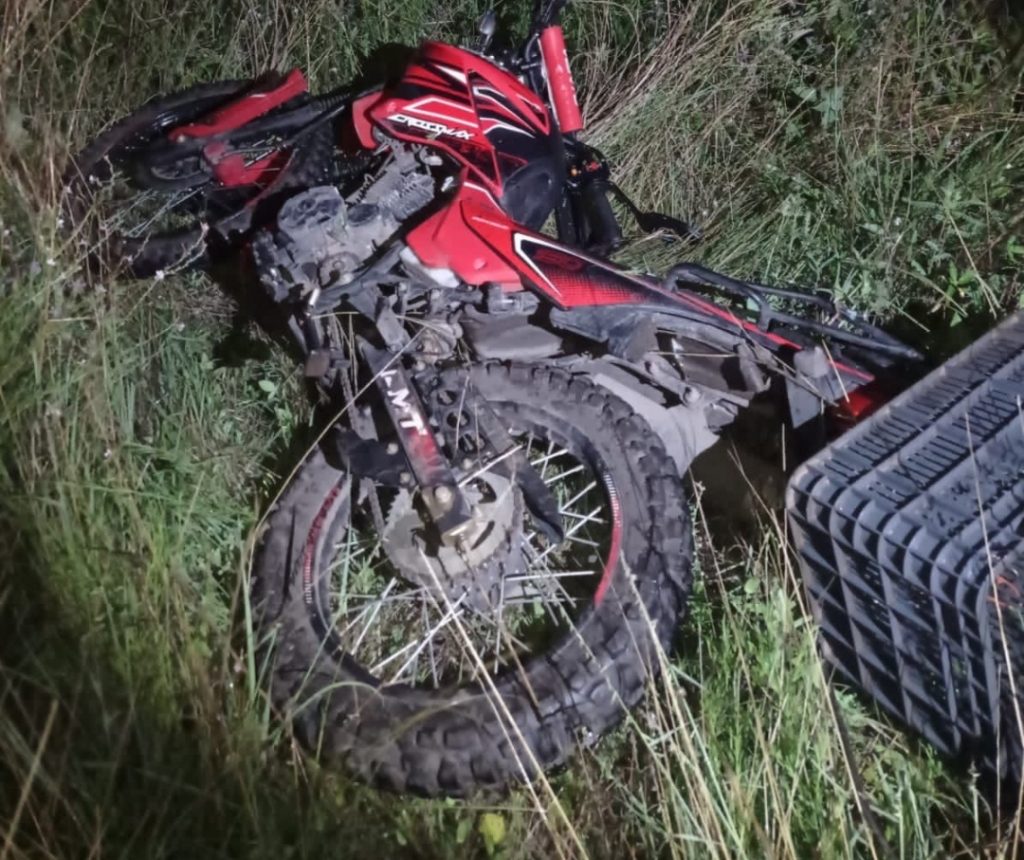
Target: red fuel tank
(485, 118)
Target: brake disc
(473, 569)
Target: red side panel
(474, 238)
(362, 124)
(464, 236)
(859, 403)
(231, 170)
(245, 108)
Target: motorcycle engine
(321, 238)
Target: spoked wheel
(126, 211)
(443, 669)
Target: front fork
(429, 467)
(442, 496)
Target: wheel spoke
(547, 585)
(577, 497)
(573, 515)
(490, 464)
(547, 458)
(573, 538)
(572, 531)
(561, 476)
(376, 605)
(350, 555)
(408, 627)
(453, 612)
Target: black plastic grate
(910, 535)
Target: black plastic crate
(910, 535)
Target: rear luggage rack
(909, 531)
(842, 326)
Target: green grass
(873, 148)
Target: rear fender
(260, 100)
(686, 426)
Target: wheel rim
(418, 630)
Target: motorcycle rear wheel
(125, 221)
(361, 690)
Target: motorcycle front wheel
(439, 670)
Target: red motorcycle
(474, 570)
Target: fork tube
(561, 89)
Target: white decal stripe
(499, 103)
(491, 124)
(489, 93)
(537, 106)
(439, 103)
(453, 73)
(474, 187)
(600, 264)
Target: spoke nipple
(444, 495)
(404, 478)
(466, 463)
(392, 448)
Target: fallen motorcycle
(472, 572)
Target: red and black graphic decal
(501, 111)
(578, 281)
(474, 238)
(464, 105)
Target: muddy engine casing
(322, 238)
